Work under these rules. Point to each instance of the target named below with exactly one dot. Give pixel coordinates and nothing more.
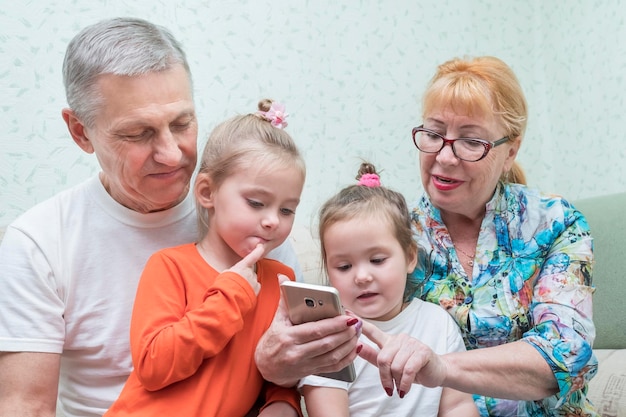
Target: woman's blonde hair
(242, 142)
(481, 85)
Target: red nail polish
(359, 348)
(389, 391)
(352, 322)
(401, 394)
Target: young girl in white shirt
(368, 252)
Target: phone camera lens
(309, 302)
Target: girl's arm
(169, 340)
(456, 404)
(279, 409)
(325, 401)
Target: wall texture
(351, 74)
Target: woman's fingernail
(359, 348)
(401, 394)
(389, 391)
(352, 321)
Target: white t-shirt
(69, 269)
(427, 322)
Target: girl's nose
(270, 221)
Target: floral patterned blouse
(532, 281)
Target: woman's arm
(514, 371)
(326, 401)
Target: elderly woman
(510, 264)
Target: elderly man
(70, 265)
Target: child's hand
(402, 360)
(245, 267)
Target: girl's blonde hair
(242, 142)
(380, 202)
(482, 85)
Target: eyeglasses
(466, 149)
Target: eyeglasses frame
(487, 145)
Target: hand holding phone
(310, 302)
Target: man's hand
(288, 352)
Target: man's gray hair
(119, 46)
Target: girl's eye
(254, 203)
(287, 212)
(344, 267)
(377, 261)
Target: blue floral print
(531, 281)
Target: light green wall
(350, 72)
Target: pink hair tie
(276, 115)
(369, 180)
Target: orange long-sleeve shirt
(193, 336)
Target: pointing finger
(374, 334)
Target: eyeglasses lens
(466, 149)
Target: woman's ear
(77, 130)
(511, 154)
(204, 190)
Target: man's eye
(133, 137)
(181, 126)
(136, 137)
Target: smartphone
(311, 302)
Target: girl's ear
(411, 260)
(204, 190)
(77, 130)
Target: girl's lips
(367, 295)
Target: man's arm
(29, 384)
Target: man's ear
(204, 190)
(77, 130)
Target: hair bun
(368, 176)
